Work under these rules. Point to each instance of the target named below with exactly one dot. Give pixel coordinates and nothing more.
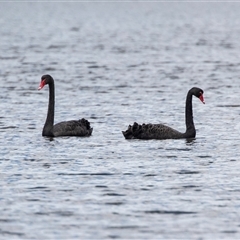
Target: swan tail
(133, 131)
(86, 124)
(128, 133)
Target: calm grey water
(113, 64)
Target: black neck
(48, 126)
(190, 128)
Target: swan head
(45, 79)
(198, 92)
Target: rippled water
(113, 64)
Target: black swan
(79, 128)
(160, 131)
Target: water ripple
(114, 69)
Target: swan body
(79, 128)
(161, 131)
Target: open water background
(115, 63)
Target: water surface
(113, 64)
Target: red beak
(202, 98)
(42, 84)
